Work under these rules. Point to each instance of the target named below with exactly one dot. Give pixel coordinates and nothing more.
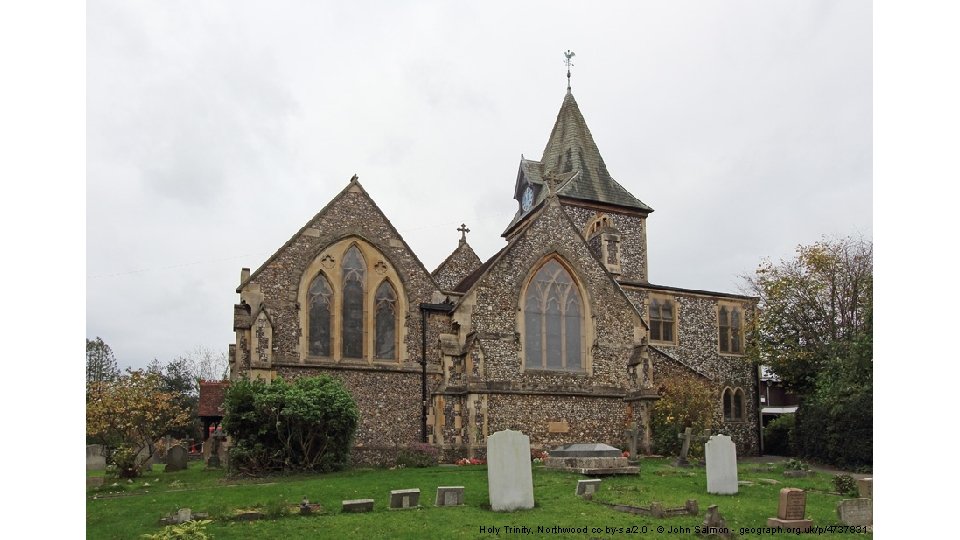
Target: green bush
(418, 455)
(844, 484)
(778, 436)
(838, 431)
(307, 424)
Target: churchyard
(619, 506)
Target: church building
(559, 334)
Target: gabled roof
(458, 265)
(212, 394)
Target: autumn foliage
(128, 414)
(685, 401)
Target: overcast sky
(215, 130)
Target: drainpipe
(424, 308)
(756, 376)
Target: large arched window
(553, 317)
(730, 329)
(320, 296)
(354, 275)
(353, 303)
(386, 321)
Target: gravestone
(586, 488)
(509, 475)
(449, 496)
(721, 457)
(176, 458)
(96, 460)
(632, 434)
(791, 512)
(686, 437)
(405, 498)
(856, 512)
(713, 523)
(865, 487)
(357, 505)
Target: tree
(815, 330)
(813, 308)
(101, 364)
(205, 364)
(685, 401)
(129, 414)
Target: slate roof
(573, 157)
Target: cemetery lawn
(130, 510)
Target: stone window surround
(676, 317)
(586, 321)
(379, 269)
(736, 394)
(731, 306)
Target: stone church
(559, 334)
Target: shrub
(838, 431)
(778, 436)
(685, 401)
(844, 484)
(795, 465)
(275, 508)
(418, 455)
(307, 424)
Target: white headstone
(509, 476)
(721, 457)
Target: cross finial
(463, 233)
(569, 54)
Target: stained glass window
(553, 320)
(354, 276)
(386, 323)
(320, 298)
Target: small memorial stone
(865, 487)
(176, 458)
(405, 498)
(856, 512)
(792, 510)
(96, 461)
(449, 496)
(357, 505)
(586, 488)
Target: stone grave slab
(594, 459)
(357, 505)
(176, 458)
(721, 458)
(586, 450)
(509, 473)
(405, 498)
(586, 488)
(791, 512)
(449, 496)
(865, 488)
(857, 512)
(96, 460)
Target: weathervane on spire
(569, 54)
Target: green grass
(137, 508)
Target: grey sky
(215, 130)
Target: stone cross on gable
(463, 233)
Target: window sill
(542, 371)
(738, 354)
(663, 343)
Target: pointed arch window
(734, 404)
(553, 321)
(320, 296)
(354, 271)
(386, 321)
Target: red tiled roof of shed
(211, 397)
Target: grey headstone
(721, 457)
(509, 475)
(588, 487)
(96, 460)
(358, 505)
(176, 458)
(405, 498)
(856, 512)
(449, 496)
(865, 487)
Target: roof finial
(463, 233)
(569, 54)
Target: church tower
(610, 218)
